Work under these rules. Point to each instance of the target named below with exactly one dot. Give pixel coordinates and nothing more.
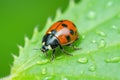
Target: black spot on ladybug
(64, 25)
(74, 25)
(71, 32)
(68, 38)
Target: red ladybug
(61, 33)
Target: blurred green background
(18, 19)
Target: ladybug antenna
(36, 49)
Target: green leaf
(98, 23)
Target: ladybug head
(49, 42)
(45, 48)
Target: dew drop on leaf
(47, 78)
(44, 70)
(92, 68)
(114, 27)
(101, 33)
(83, 36)
(43, 61)
(93, 41)
(109, 4)
(82, 72)
(102, 43)
(112, 60)
(91, 15)
(64, 78)
(83, 60)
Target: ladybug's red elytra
(61, 33)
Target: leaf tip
(58, 13)
(20, 47)
(49, 21)
(26, 40)
(36, 29)
(14, 56)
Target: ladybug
(61, 33)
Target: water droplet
(112, 60)
(93, 41)
(83, 60)
(102, 43)
(109, 4)
(91, 15)
(44, 70)
(83, 36)
(64, 78)
(47, 78)
(82, 72)
(114, 27)
(101, 33)
(92, 68)
(43, 61)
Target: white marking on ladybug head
(49, 47)
(43, 43)
(49, 32)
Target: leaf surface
(98, 23)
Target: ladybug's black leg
(73, 46)
(62, 49)
(53, 55)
